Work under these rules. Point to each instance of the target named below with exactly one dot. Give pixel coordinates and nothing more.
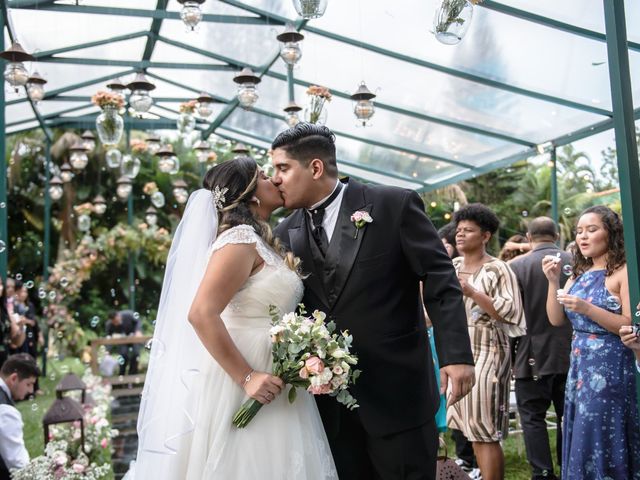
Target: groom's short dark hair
(307, 141)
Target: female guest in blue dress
(601, 437)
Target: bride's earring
(256, 200)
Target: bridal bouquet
(307, 353)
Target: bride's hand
(263, 387)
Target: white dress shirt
(12, 447)
(332, 211)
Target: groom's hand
(462, 378)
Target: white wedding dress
(284, 441)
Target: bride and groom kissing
(356, 252)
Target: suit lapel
(301, 248)
(344, 248)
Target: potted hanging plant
(452, 20)
(315, 112)
(109, 123)
(186, 121)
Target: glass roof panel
(215, 83)
(587, 14)
(125, 50)
(22, 127)
(18, 112)
(417, 89)
(213, 7)
(43, 30)
(163, 52)
(252, 44)
(141, 4)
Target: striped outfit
(483, 415)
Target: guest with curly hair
(494, 313)
(601, 437)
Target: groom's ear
(317, 168)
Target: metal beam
(155, 29)
(626, 147)
(136, 123)
(426, 64)
(4, 230)
(136, 64)
(136, 12)
(47, 116)
(554, 184)
(53, 93)
(97, 43)
(339, 93)
(550, 22)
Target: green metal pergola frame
(621, 117)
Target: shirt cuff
(638, 365)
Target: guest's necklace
(475, 270)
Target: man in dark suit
(542, 355)
(365, 276)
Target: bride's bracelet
(247, 379)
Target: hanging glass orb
(99, 205)
(84, 223)
(35, 87)
(113, 157)
(291, 116)
(167, 161)
(89, 140)
(290, 40)
(202, 149)
(186, 123)
(55, 189)
(205, 105)
(124, 187)
(153, 143)
(247, 93)
(79, 158)
(452, 20)
(66, 173)
(176, 166)
(309, 9)
(191, 14)
(130, 166)
(116, 86)
(364, 108)
(151, 216)
(15, 73)
(157, 199)
(180, 192)
(140, 101)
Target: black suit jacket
(548, 346)
(369, 284)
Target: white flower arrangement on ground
(63, 458)
(307, 353)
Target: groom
(366, 277)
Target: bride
(211, 348)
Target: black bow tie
(317, 216)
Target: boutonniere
(360, 219)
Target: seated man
(17, 378)
(122, 324)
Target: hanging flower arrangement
(138, 146)
(315, 111)
(188, 107)
(107, 99)
(452, 20)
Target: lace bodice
(275, 284)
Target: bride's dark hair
(240, 179)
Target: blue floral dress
(601, 433)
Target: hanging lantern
(124, 187)
(168, 159)
(35, 87)
(292, 110)
(240, 150)
(116, 86)
(15, 72)
(364, 108)
(247, 93)
(180, 192)
(153, 143)
(55, 188)
(290, 40)
(452, 20)
(140, 99)
(79, 158)
(202, 149)
(89, 140)
(64, 410)
(99, 205)
(205, 105)
(309, 9)
(191, 14)
(151, 216)
(66, 172)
